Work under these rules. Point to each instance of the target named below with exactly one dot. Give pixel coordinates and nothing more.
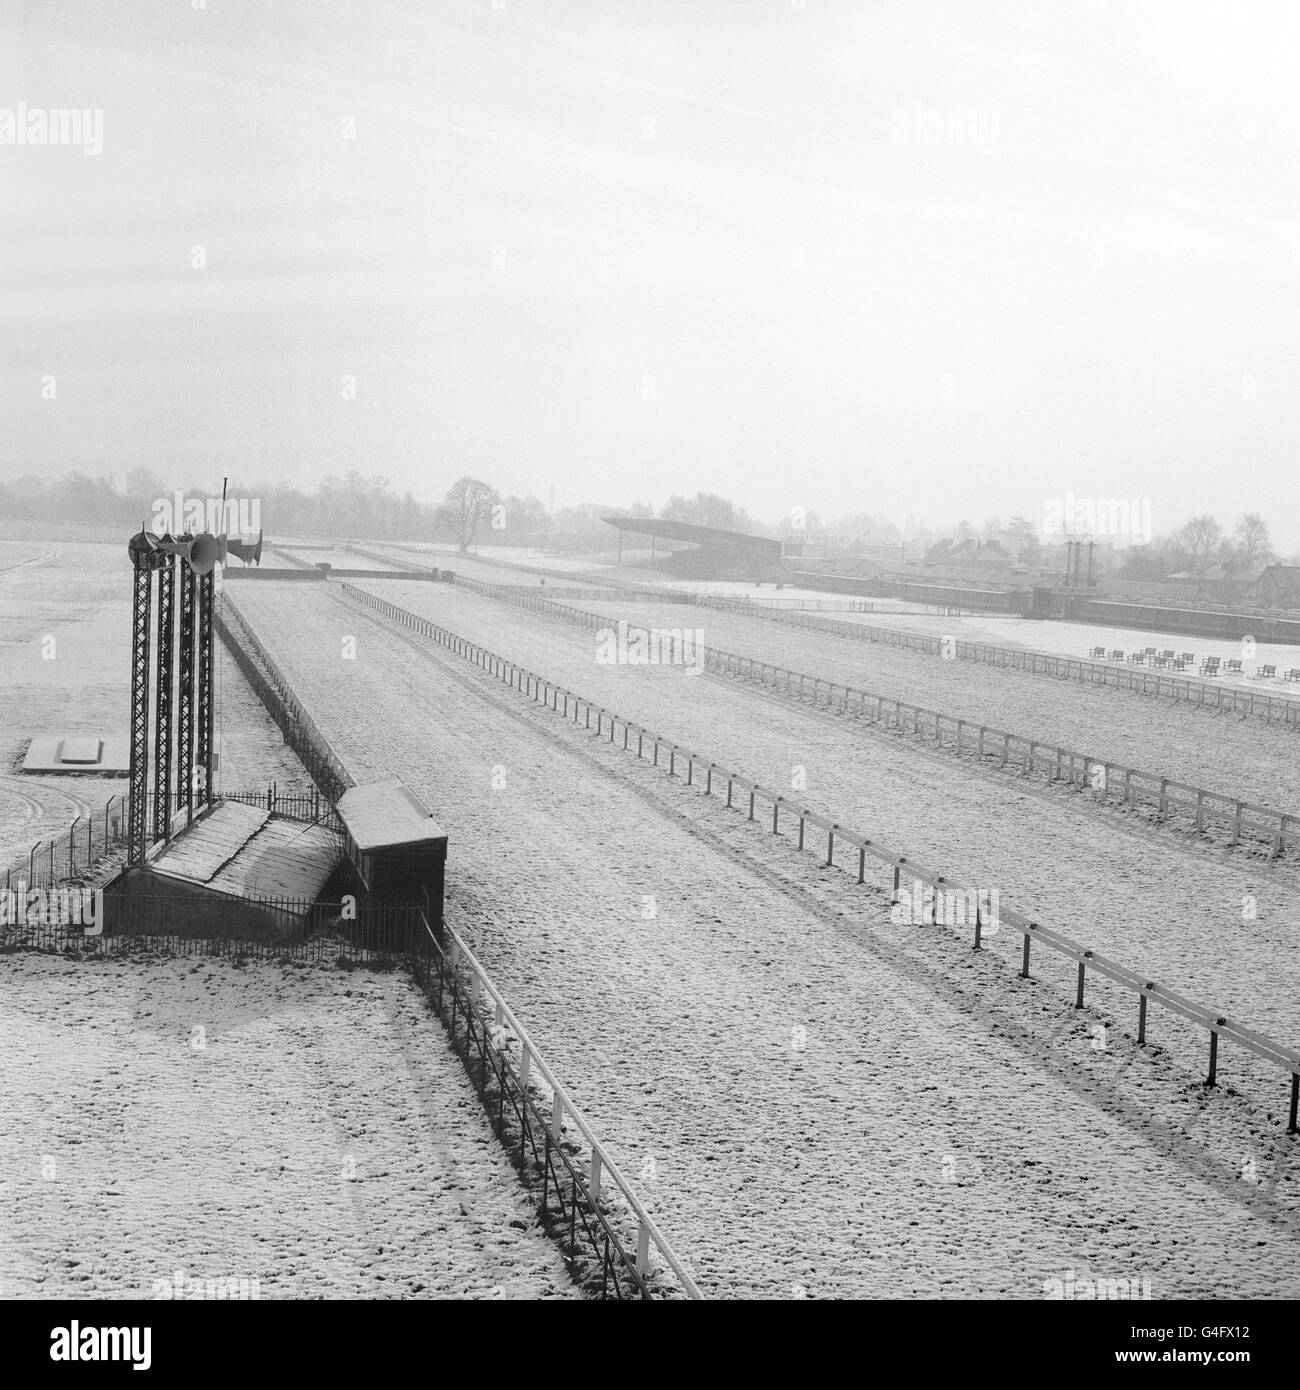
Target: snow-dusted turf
(65, 668)
(305, 1128)
(1108, 879)
(1233, 754)
(1077, 639)
(813, 1099)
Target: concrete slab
(78, 753)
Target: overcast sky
(945, 259)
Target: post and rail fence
(1244, 820)
(859, 847)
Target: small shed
(396, 847)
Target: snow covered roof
(245, 851)
(382, 815)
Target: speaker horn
(248, 549)
(200, 552)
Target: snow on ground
(1078, 640)
(322, 1140)
(1108, 879)
(813, 1099)
(65, 667)
(1232, 754)
(999, 630)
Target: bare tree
(468, 501)
(1252, 545)
(1203, 538)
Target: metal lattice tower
(185, 695)
(143, 555)
(204, 682)
(162, 782)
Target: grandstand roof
(684, 531)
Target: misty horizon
(889, 261)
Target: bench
(1210, 666)
(1189, 658)
(1293, 674)
(1117, 656)
(1266, 673)
(1138, 659)
(1097, 651)
(1234, 667)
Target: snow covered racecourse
(651, 653)
(819, 1092)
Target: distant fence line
(1279, 829)
(1219, 698)
(550, 694)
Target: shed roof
(383, 815)
(243, 851)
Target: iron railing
(276, 693)
(585, 1202)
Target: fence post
(1024, 959)
(593, 1182)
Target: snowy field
(1078, 639)
(769, 1058)
(307, 1131)
(1233, 754)
(1145, 897)
(999, 630)
(65, 668)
